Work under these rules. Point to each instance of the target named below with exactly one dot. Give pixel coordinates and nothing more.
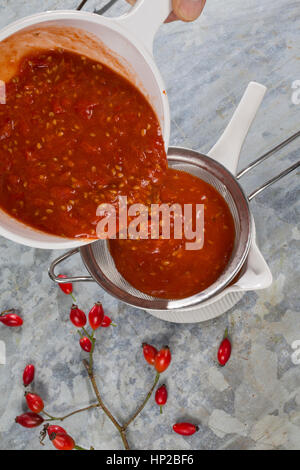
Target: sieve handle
(64, 280)
(273, 180)
(264, 157)
(106, 7)
(268, 154)
(228, 148)
(145, 18)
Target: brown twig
(10, 310)
(138, 411)
(53, 418)
(90, 370)
(121, 429)
(104, 408)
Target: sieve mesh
(100, 263)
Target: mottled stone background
(253, 403)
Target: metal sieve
(99, 262)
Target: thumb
(188, 10)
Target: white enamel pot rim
(133, 33)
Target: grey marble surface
(252, 403)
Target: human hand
(185, 10)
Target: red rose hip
(28, 375)
(55, 429)
(107, 322)
(162, 359)
(67, 287)
(185, 429)
(96, 316)
(224, 351)
(62, 441)
(161, 396)
(77, 316)
(34, 402)
(11, 319)
(85, 344)
(150, 353)
(29, 420)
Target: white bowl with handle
(129, 40)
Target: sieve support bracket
(60, 259)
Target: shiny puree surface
(164, 268)
(73, 134)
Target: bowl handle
(228, 148)
(257, 275)
(145, 18)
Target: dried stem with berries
(160, 360)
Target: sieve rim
(177, 155)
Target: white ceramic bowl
(129, 39)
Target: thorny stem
(62, 418)
(106, 410)
(143, 404)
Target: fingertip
(188, 10)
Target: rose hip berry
(29, 420)
(11, 319)
(96, 316)
(55, 429)
(224, 351)
(86, 344)
(185, 429)
(62, 441)
(162, 359)
(150, 353)
(34, 402)
(77, 316)
(67, 288)
(28, 375)
(161, 396)
(107, 322)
